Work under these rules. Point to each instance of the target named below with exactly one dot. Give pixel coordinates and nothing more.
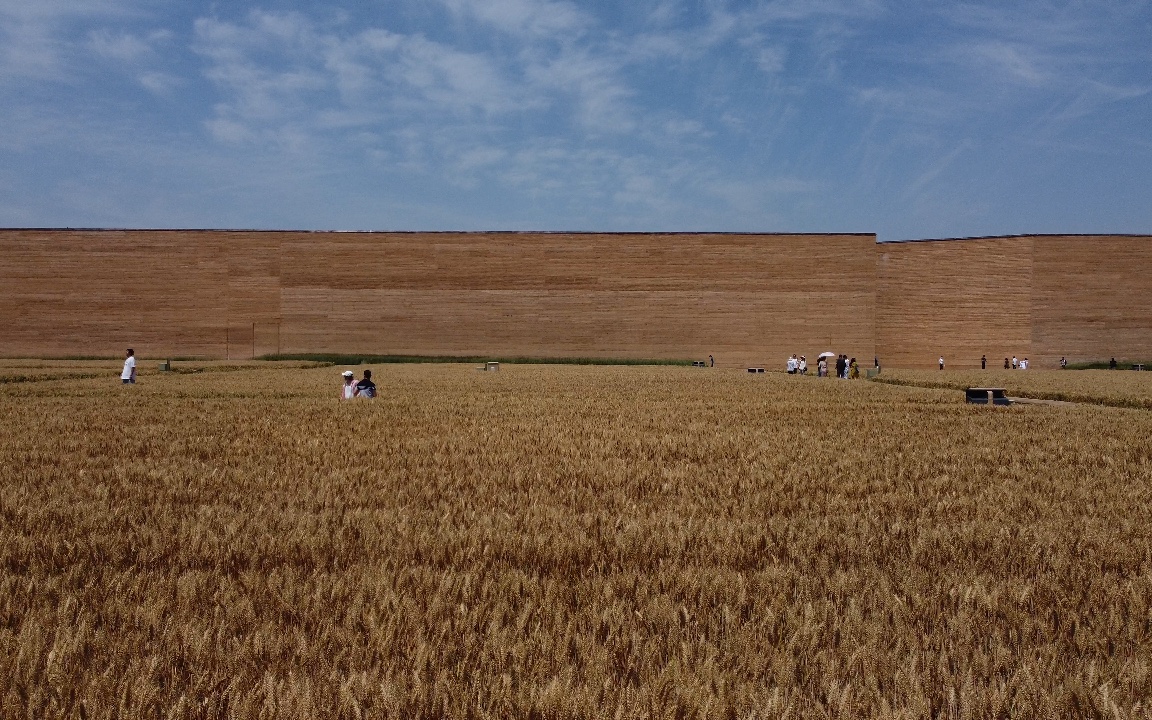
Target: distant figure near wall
(983, 362)
(941, 362)
(128, 375)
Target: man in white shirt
(128, 375)
(803, 366)
(792, 365)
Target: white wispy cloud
(601, 98)
(35, 37)
(532, 18)
(283, 67)
(118, 46)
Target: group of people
(363, 389)
(797, 365)
(845, 368)
(1012, 364)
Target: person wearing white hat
(349, 390)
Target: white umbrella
(826, 355)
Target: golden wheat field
(565, 542)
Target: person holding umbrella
(822, 363)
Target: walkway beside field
(1038, 401)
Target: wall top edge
(577, 232)
(1025, 236)
(436, 232)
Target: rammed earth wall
(744, 298)
(1082, 297)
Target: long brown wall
(1092, 298)
(168, 293)
(1041, 297)
(744, 298)
(747, 299)
(959, 299)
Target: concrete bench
(986, 396)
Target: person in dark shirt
(983, 362)
(366, 388)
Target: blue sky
(911, 120)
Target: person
(854, 370)
(1015, 363)
(821, 367)
(711, 361)
(128, 374)
(941, 362)
(366, 388)
(1024, 364)
(803, 365)
(792, 364)
(349, 390)
(841, 366)
(1112, 364)
(983, 362)
(1063, 364)
(1006, 365)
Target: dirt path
(1035, 401)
